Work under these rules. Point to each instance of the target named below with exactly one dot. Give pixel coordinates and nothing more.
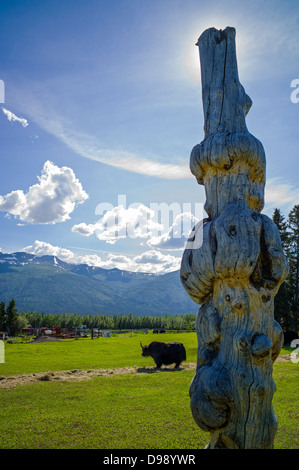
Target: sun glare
(192, 62)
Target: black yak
(165, 353)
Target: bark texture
(236, 272)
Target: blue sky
(103, 99)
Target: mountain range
(49, 285)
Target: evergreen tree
(282, 226)
(12, 318)
(282, 303)
(293, 225)
(286, 301)
(3, 317)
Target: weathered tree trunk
(236, 272)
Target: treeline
(13, 322)
(286, 301)
(115, 322)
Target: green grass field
(136, 411)
(116, 351)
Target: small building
(28, 331)
(56, 331)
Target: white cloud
(156, 262)
(176, 237)
(117, 223)
(88, 146)
(150, 261)
(51, 200)
(40, 248)
(12, 117)
(86, 230)
(113, 260)
(280, 193)
(141, 222)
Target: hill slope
(50, 285)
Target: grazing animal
(289, 336)
(165, 353)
